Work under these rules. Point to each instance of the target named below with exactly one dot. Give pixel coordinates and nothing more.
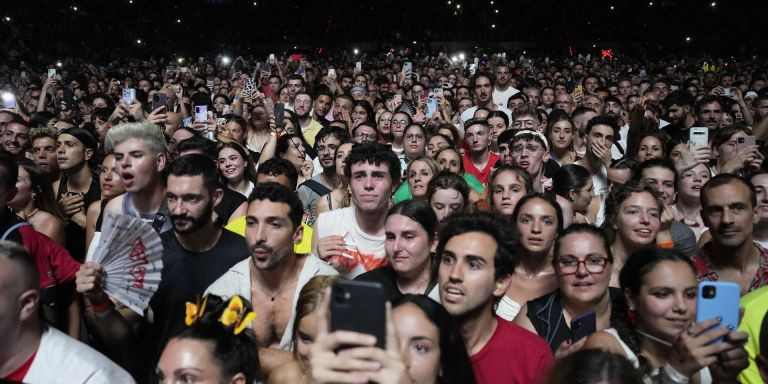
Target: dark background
(110, 29)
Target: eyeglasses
(414, 137)
(570, 265)
(365, 136)
(530, 148)
(399, 122)
(524, 123)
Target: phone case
(698, 136)
(583, 326)
(724, 304)
(359, 306)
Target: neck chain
(273, 296)
(34, 212)
(654, 338)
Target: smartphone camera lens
(709, 292)
(577, 325)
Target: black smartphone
(359, 306)
(583, 326)
(279, 115)
(158, 100)
(69, 98)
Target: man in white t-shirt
(352, 239)
(482, 84)
(502, 91)
(32, 352)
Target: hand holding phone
(129, 95)
(9, 100)
(158, 100)
(698, 136)
(201, 113)
(718, 300)
(583, 326)
(359, 306)
(407, 67)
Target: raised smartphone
(129, 95)
(358, 306)
(718, 299)
(698, 136)
(158, 100)
(407, 67)
(201, 113)
(743, 142)
(279, 115)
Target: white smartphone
(359, 66)
(698, 136)
(407, 67)
(331, 72)
(9, 100)
(201, 113)
(129, 95)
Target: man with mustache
(729, 208)
(274, 274)
(327, 140)
(709, 113)
(195, 253)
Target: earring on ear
(498, 285)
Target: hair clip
(195, 310)
(236, 314)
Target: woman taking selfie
(423, 346)
(661, 338)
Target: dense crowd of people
(496, 202)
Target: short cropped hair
(196, 164)
(278, 193)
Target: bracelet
(666, 244)
(106, 306)
(671, 375)
(104, 314)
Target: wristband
(666, 244)
(106, 306)
(672, 376)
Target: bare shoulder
(287, 373)
(115, 205)
(606, 341)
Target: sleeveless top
(160, 220)
(507, 308)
